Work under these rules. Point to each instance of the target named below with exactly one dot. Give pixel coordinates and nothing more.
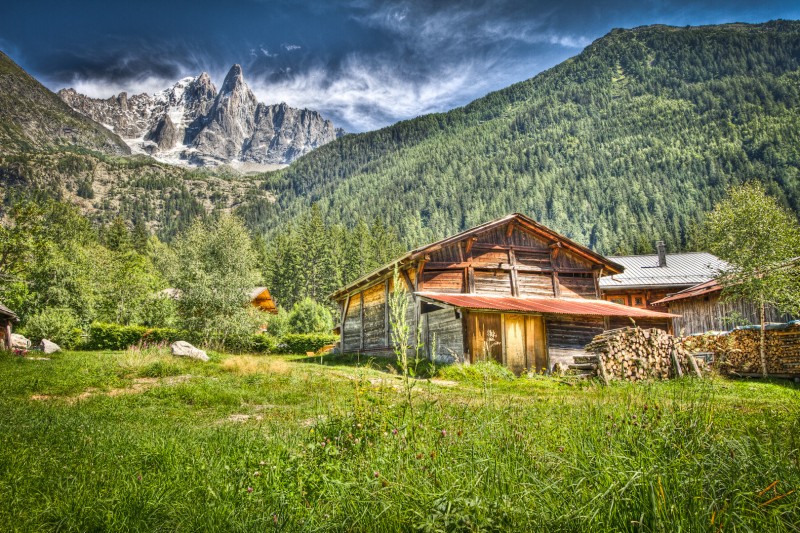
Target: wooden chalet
(7, 317)
(512, 290)
(261, 298)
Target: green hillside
(33, 118)
(628, 142)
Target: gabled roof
(554, 306)
(8, 313)
(256, 292)
(692, 292)
(682, 270)
(518, 218)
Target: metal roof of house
(555, 306)
(5, 311)
(682, 270)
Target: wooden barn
(512, 290)
(7, 317)
(701, 308)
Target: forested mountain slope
(628, 142)
(49, 150)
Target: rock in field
(184, 349)
(20, 342)
(49, 347)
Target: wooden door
(515, 343)
(485, 337)
(536, 345)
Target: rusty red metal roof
(692, 292)
(556, 306)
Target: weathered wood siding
(449, 334)
(646, 323)
(577, 286)
(351, 332)
(484, 337)
(567, 335)
(709, 313)
(493, 282)
(447, 281)
(375, 317)
(535, 284)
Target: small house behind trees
(511, 290)
(7, 316)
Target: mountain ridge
(191, 123)
(626, 143)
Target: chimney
(662, 254)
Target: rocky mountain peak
(192, 123)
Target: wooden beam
(556, 288)
(470, 243)
(509, 229)
(386, 316)
(471, 280)
(420, 270)
(345, 308)
(410, 285)
(514, 282)
(361, 347)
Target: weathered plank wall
(484, 337)
(448, 332)
(374, 317)
(576, 286)
(535, 284)
(645, 323)
(567, 335)
(493, 282)
(351, 334)
(709, 314)
(447, 281)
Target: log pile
(738, 351)
(636, 354)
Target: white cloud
(369, 94)
(290, 47)
(267, 53)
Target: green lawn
(119, 441)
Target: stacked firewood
(635, 354)
(738, 351)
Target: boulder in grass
(184, 349)
(19, 342)
(49, 347)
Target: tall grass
(335, 448)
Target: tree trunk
(763, 340)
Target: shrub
(308, 342)
(308, 316)
(278, 324)
(115, 337)
(59, 325)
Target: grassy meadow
(141, 441)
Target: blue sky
(363, 63)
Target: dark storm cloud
(364, 63)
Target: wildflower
(376, 474)
(256, 473)
(275, 519)
(561, 449)
(394, 431)
(262, 463)
(139, 477)
(444, 433)
(249, 489)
